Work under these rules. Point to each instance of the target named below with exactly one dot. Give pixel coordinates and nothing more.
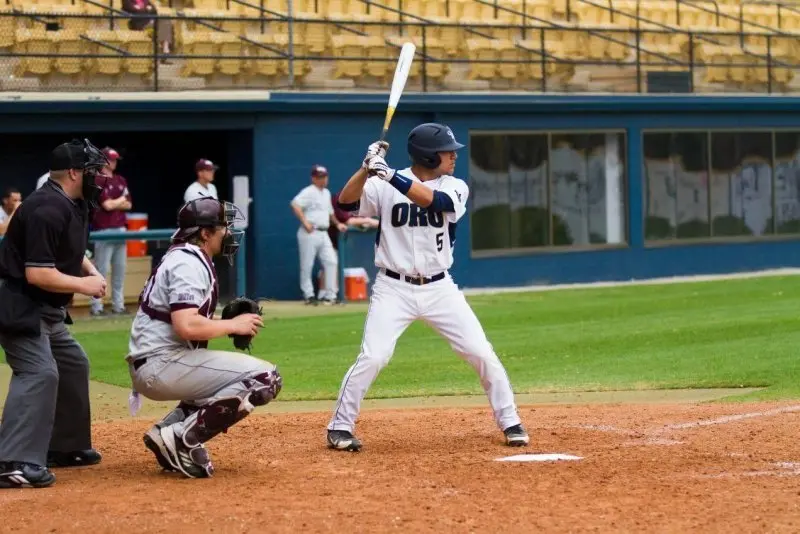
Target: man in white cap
(202, 187)
(313, 208)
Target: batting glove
(378, 167)
(377, 148)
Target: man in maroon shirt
(114, 201)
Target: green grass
(736, 333)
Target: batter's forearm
(351, 192)
(420, 195)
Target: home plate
(538, 458)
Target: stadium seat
(8, 27)
(43, 14)
(33, 42)
(229, 51)
(349, 46)
(275, 66)
(433, 49)
(118, 43)
(68, 43)
(198, 44)
(482, 50)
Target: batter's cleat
(193, 462)
(312, 301)
(516, 436)
(152, 440)
(73, 458)
(24, 475)
(342, 440)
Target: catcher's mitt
(236, 307)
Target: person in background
(202, 187)
(115, 200)
(12, 198)
(144, 13)
(312, 206)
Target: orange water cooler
(355, 283)
(136, 222)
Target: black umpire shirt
(49, 229)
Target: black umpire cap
(68, 156)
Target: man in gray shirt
(313, 207)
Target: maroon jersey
(116, 186)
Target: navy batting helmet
(427, 140)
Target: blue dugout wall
(292, 131)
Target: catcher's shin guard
(221, 414)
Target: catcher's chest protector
(158, 283)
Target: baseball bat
(398, 83)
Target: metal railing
(68, 51)
(164, 234)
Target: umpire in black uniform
(46, 419)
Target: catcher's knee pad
(264, 387)
(215, 417)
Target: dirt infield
(643, 467)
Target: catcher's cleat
(516, 436)
(194, 462)
(25, 475)
(342, 440)
(153, 441)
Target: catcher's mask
(84, 156)
(209, 212)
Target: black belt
(417, 281)
(138, 363)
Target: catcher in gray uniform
(168, 358)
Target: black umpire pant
(47, 407)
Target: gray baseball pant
(195, 377)
(111, 256)
(318, 243)
(47, 407)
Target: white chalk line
(723, 420)
(655, 436)
(788, 271)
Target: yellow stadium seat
(68, 43)
(7, 27)
(42, 14)
(275, 66)
(349, 46)
(482, 56)
(112, 65)
(436, 64)
(198, 44)
(33, 42)
(138, 44)
(229, 50)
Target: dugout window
(535, 190)
(720, 184)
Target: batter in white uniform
(313, 207)
(418, 209)
(168, 358)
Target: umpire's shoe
(516, 436)
(25, 475)
(73, 458)
(342, 440)
(194, 462)
(152, 440)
